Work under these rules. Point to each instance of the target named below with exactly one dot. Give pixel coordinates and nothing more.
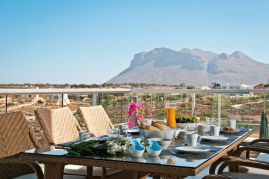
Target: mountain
(193, 67)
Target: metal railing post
(121, 108)
(219, 109)
(94, 99)
(6, 103)
(62, 100)
(193, 104)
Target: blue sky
(90, 41)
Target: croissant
(160, 126)
(152, 128)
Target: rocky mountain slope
(192, 67)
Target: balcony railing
(245, 105)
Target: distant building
(227, 86)
(215, 86)
(231, 87)
(205, 88)
(243, 86)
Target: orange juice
(171, 117)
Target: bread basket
(164, 134)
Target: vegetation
(246, 109)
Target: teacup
(135, 153)
(232, 123)
(136, 149)
(192, 139)
(214, 130)
(164, 143)
(154, 149)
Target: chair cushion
(96, 120)
(82, 170)
(263, 157)
(14, 134)
(59, 125)
(257, 175)
(33, 176)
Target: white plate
(215, 138)
(195, 150)
(132, 130)
(227, 132)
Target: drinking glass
(171, 114)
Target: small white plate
(132, 130)
(194, 150)
(215, 138)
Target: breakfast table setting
(162, 149)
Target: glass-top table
(169, 162)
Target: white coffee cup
(232, 123)
(192, 139)
(214, 130)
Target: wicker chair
(241, 166)
(96, 120)
(60, 126)
(256, 143)
(16, 137)
(235, 162)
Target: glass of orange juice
(171, 115)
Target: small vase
(133, 119)
(148, 121)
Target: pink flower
(140, 106)
(139, 117)
(132, 109)
(131, 124)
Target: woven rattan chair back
(59, 125)
(96, 120)
(14, 134)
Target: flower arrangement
(139, 112)
(103, 148)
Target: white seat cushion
(33, 176)
(77, 172)
(248, 175)
(263, 157)
(258, 171)
(82, 170)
